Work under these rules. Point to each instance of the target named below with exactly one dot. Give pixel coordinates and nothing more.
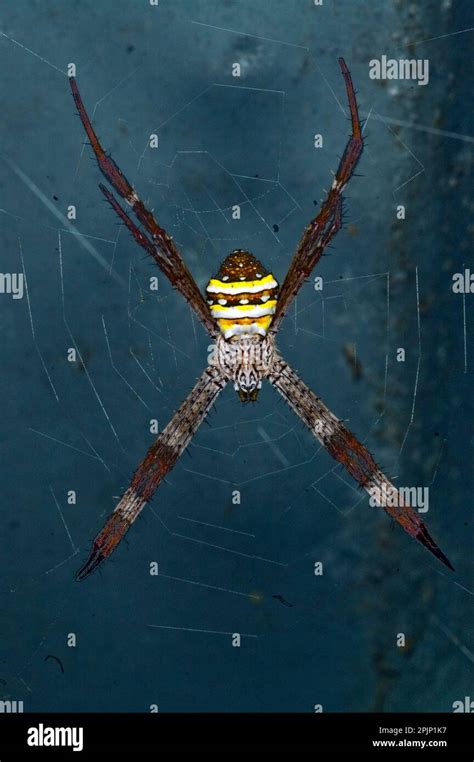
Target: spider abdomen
(242, 296)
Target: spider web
(255, 501)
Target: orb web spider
(243, 313)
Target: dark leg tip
(94, 560)
(425, 538)
(445, 560)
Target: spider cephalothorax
(242, 297)
(245, 360)
(242, 312)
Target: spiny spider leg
(163, 263)
(328, 221)
(159, 460)
(164, 251)
(343, 446)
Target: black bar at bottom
(46, 735)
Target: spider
(243, 311)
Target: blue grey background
(84, 426)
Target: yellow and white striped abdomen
(242, 296)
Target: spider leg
(328, 221)
(343, 446)
(163, 249)
(159, 460)
(146, 243)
